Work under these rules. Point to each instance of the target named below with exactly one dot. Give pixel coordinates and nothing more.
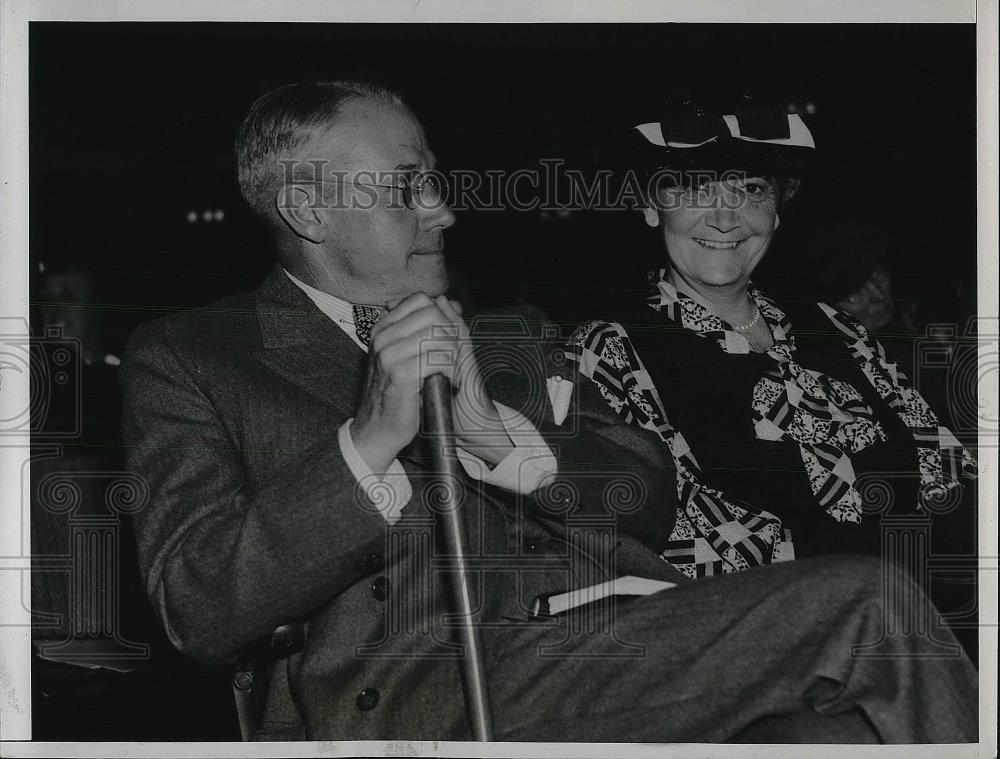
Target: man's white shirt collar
(338, 310)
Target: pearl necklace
(751, 323)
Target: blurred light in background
(807, 107)
(209, 214)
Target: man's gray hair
(283, 120)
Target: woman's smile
(717, 244)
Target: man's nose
(437, 216)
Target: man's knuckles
(426, 320)
(432, 336)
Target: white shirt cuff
(525, 468)
(389, 492)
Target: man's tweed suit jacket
(231, 416)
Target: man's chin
(435, 287)
(441, 289)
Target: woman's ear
(777, 221)
(296, 208)
(651, 216)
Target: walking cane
(437, 416)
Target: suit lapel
(301, 344)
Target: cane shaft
(437, 418)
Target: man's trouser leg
(721, 654)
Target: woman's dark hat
(766, 140)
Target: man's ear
(651, 216)
(296, 208)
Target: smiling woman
(715, 235)
(793, 434)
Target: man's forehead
(373, 136)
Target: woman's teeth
(714, 245)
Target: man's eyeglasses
(424, 188)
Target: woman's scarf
(827, 417)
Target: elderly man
(279, 432)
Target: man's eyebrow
(428, 160)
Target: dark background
(132, 126)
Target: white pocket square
(560, 391)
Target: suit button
(288, 639)
(367, 699)
(530, 547)
(380, 588)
